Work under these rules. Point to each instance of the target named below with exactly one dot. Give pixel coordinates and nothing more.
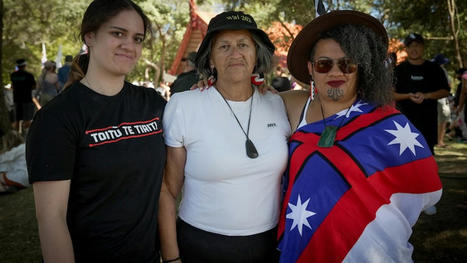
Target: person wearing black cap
(359, 172)
(188, 77)
(227, 148)
(419, 84)
(22, 83)
(444, 111)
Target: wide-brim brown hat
(300, 50)
(233, 20)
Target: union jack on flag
(357, 200)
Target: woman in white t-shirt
(227, 149)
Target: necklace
(328, 136)
(251, 151)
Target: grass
(19, 241)
(443, 237)
(438, 238)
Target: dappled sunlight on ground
(452, 160)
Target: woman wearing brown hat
(359, 172)
(227, 148)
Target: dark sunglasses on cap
(324, 65)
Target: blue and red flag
(357, 200)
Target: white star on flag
(352, 108)
(299, 215)
(405, 138)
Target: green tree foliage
(430, 18)
(267, 11)
(169, 20)
(28, 24)
(4, 119)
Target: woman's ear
(89, 39)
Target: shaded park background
(438, 238)
(27, 26)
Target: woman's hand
(417, 97)
(264, 87)
(204, 83)
(201, 85)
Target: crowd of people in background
(29, 95)
(450, 114)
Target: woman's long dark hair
(98, 13)
(368, 49)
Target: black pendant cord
(324, 120)
(249, 146)
(328, 135)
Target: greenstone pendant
(327, 137)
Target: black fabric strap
(170, 260)
(302, 115)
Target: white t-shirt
(226, 192)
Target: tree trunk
(286, 28)
(157, 72)
(453, 14)
(5, 125)
(162, 59)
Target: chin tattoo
(335, 93)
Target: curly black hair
(368, 49)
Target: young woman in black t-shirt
(95, 153)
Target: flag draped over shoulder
(356, 201)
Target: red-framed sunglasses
(324, 65)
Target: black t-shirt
(184, 82)
(22, 83)
(112, 149)
(427, 77)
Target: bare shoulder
(294, 96)
(294, 101)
